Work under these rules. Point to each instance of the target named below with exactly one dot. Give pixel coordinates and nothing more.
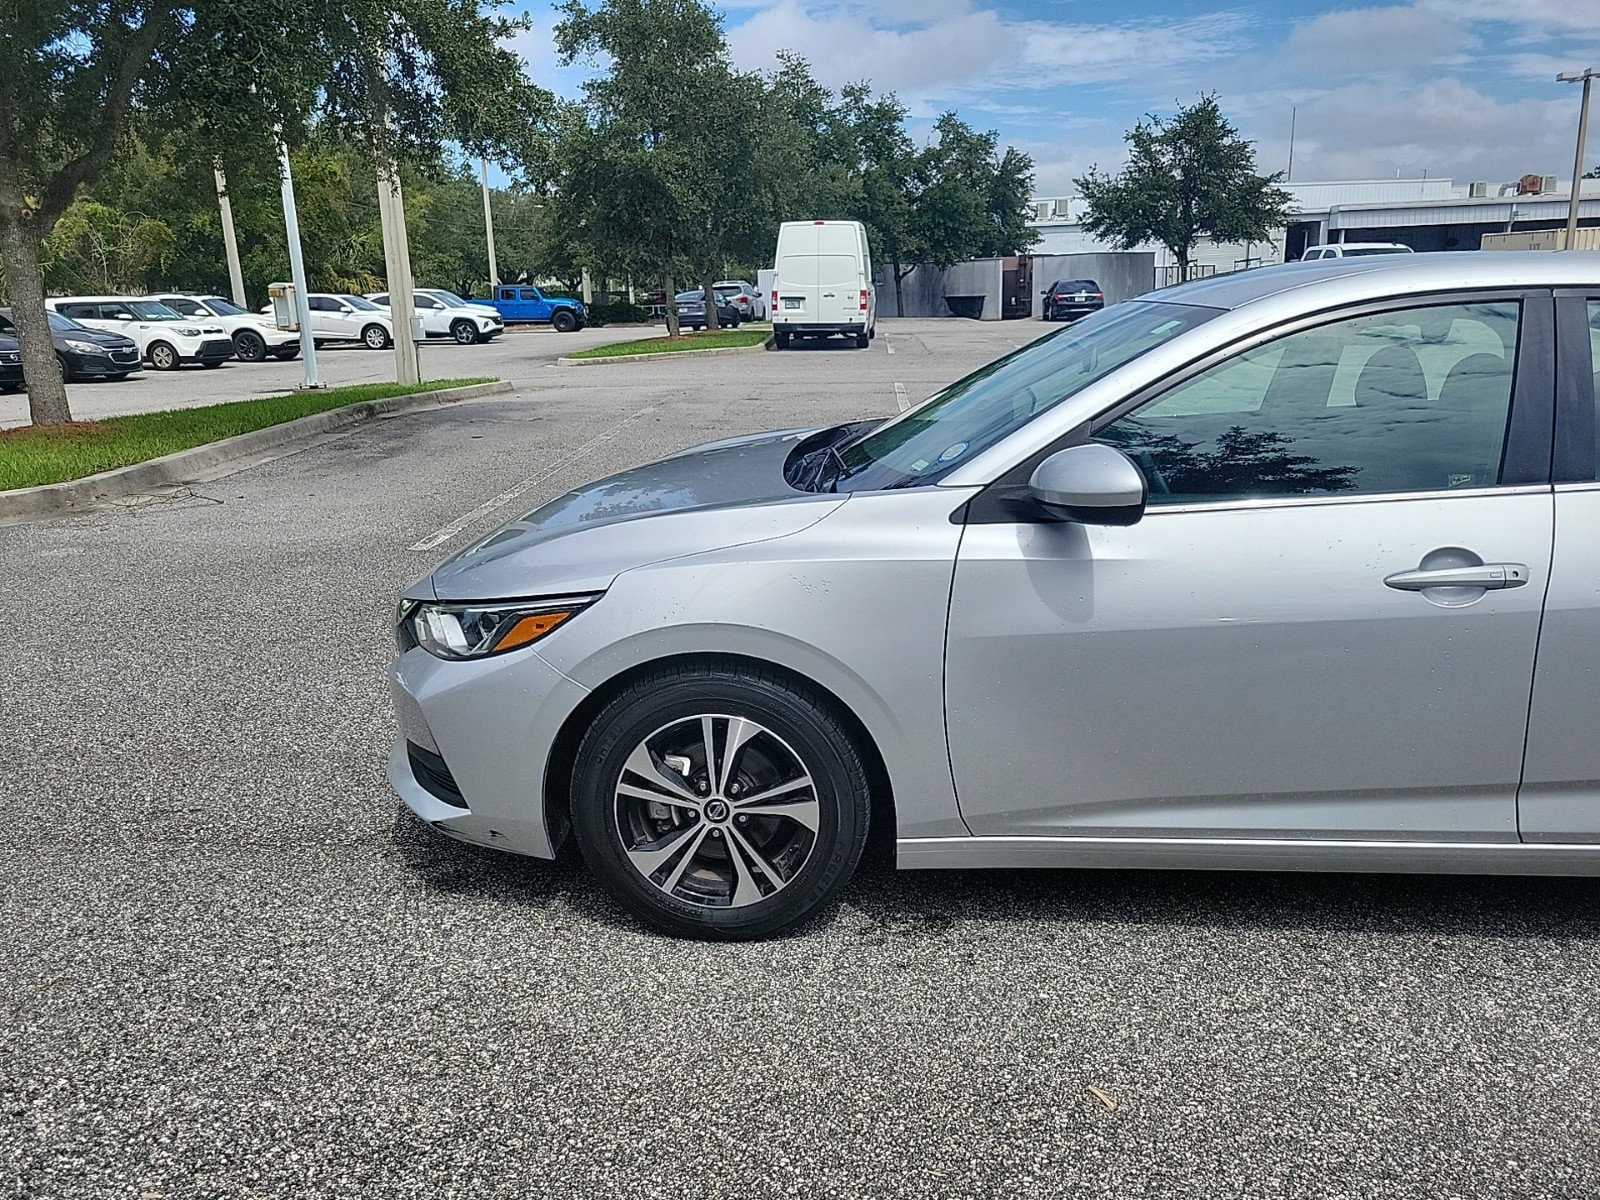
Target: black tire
(781, 340)
(872, 331)
(792, 719)
(564, 320)
(249, 346)
(212, 366)
(68, 375)
(162, 357)
(863, 340)
(286, 355)
(733, 321)
(464, 332)
(118, 377)
(376, 337)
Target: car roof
(1354, 280)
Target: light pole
(1586, 78)
(488, 228)
(297, 266)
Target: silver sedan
(1291, 569)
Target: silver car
(1290, 569)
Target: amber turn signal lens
(531, 628)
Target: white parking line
(442, 535)
(900, 397)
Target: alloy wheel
(716, 811)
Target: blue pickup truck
(523, 302)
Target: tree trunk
(672, 303)
(47, 393)
(1183, 265)
(706, 280)
(899, 296)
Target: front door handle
(1490, 576)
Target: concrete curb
(171, 470)
(634, 358)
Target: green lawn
(721, 340)
(52, 454)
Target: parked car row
(110, 337)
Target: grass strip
(721, 340)
(34, 455)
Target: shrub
(617, 312)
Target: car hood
(100, 337)
(727, 493)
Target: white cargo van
(822, 282)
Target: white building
(1425, 214)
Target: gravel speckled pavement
(232, 967)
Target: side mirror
(1092, 484)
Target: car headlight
(82, 347)
(189, 331)
(463, 631)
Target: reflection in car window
(974, 413)
(150, 310)
(1594, 361)
(360, 303)
(1404, 402)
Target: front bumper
(212, 350)
(10, 371)
(104, 362)
(490, 723)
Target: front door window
(1408, 401)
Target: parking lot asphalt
(233, 966)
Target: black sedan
(1069, 299)
(84, 353)
(10, 364)
(692, 310)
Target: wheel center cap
(717, 810)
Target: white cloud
(1373, 40)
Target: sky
(1459, 88)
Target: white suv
(1353, 250)
(165, 339)
(254, 337)
(447, 315)
(341, 317)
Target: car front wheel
(163, 357)
(250, 347)
(720, 803)
(376, 337)
(564, 320)
(464, 332)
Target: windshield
(974, 413)
(448, 298)
(225, 308)
(58, 322)
(150, 310)
(359, 303)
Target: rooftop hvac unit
(1547, 183)
(1478, 191)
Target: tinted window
(322, 304)
(225, 308)
(425, 302)
(381, 298)
(1363, 251)
(82, 311)
(360, 303)
(1409, 401)
(1594, 361)
(185, 306)
(149, 310)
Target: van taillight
(863, 299)
(774, 297)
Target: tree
(76, 74)
(635, 160)
(1187, 177)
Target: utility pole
(297, 267)
(397, 266)
(488, 228)
(1294, 114)
(1586, 78)
(230, 242)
